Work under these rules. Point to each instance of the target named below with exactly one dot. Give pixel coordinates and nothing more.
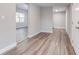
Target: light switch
(2, 17)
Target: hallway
(21, 34)
(56, 43)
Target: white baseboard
(74, 46)
(23, 39)
(7, 48)
(75, 49)
(47, 31)
(30, 36)
(59, 27)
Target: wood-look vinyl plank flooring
(56, 43)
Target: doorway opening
(21, 21)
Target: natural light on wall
(58, 10)
(77, 9)
(20, 17)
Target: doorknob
(78, 22)
(77, 27)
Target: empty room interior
(39, 29)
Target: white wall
(75, 31)
(7, 26)
(72, 19)
(59, 19)
(68, 21)
(25, 23)
(46, 19)
(33, 20)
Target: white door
(75, 27)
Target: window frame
(18, 15)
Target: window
(19, 17)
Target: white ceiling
(56, 6)
(22, 6)
(51, 4)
